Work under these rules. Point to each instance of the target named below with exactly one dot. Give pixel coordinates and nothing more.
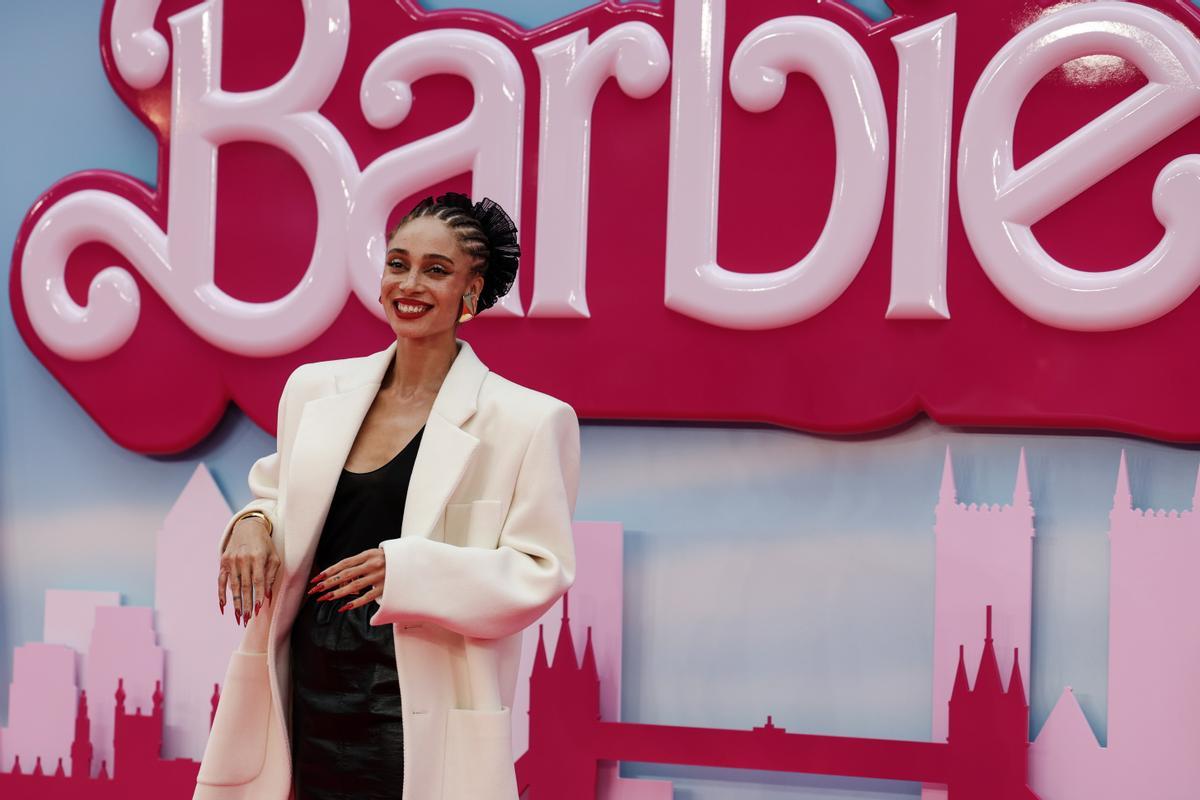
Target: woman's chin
(419, 329)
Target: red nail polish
(343, 608)
(317, 577)
(222, 609)
(237, 613)
(257, 606)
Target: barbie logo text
(784, 144)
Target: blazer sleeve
(491, 593)
(264, 476)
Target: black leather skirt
(347, 729)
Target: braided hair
(484, 232)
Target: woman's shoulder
(314, 372)
(521, 404)
(301, 377)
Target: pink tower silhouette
(984, 556)
(195, 638)
(568, 702)
(1153, 660)
(989, 728)
(81, 745)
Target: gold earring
(466, 315)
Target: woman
(414, 519)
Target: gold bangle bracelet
(261, 515)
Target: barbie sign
(850, 288)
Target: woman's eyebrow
(404, 252)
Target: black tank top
(347, 729)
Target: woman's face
(425, 276)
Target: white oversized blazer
(485, 550)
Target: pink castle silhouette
(1153, 661)
(137, 768)
(984, 554)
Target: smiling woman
(419, 273)
(415, 518)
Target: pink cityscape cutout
(90, 634)
(102, 689)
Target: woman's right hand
(249, 567)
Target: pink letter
(572, 73)
(923, 109)
(1000, 204)
(695, 284)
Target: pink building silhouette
(41, 709)
(195, 638)
(91, 642)
(984, 557)
(1154, 641)
(137, 770)
(70, 615)
(41, 705)
(123, 647)
(1153, 661)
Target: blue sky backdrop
(767, 571)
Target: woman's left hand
(352, 575)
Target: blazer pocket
(475, 524)
(479, 759)
(237, 743)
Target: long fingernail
(222, 609)
(343, 608)
(317, 577)
(257, 606)
(237, 613)
(324, 597)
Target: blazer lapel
(329, 425)
(446, 449)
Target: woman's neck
(419, 367)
